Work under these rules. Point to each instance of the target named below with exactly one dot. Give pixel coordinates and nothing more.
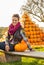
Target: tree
(35, 8)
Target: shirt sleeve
(7, 39)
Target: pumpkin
(20, 47)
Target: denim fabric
(2, 46)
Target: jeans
(2, 46)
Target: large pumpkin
(20, 46)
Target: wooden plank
(33, 54)
(29, 54)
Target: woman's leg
(26, 40)
(2, 45)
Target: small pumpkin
(20, 47)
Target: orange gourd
(33, 30)
(20, 47)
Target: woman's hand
(7, 48)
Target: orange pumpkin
(20, 46)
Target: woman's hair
(16, 15)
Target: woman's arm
(7, 39)
(7, 48)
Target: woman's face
(14, 20)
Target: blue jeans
(2, 46)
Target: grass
(28, 61)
